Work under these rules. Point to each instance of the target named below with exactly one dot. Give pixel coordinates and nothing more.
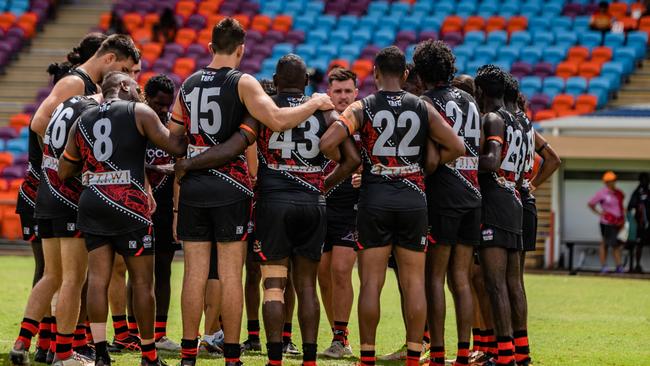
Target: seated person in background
(601, 20)
(165, 30)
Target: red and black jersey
(57, 198)
(343, 195)
(393, 139)
(90, 87)
(212, 113)
(112, 148)
(162, 184)
(502, 205)
(528, 154)
(454, 186)
(291, 161)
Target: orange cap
(609, 176)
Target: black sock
(253, 328)
(231, 352)
(368, 358)
(309, 352)
(286, 333)
(101, 351)
(189, 348)
(274, 350)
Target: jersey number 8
(200, 106)
(103, 146)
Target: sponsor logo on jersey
(351, 236)
(106, 178)
(257, 246)
(50, 163)
(239, 230)
(398, 171)
(250, 227)
(26, 230)
(133, 244)
(488, 234)
(464, 163)
(294, 168)
(147, 241)
(71, 226)
(423, 241)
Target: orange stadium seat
(545, 114)
(29, 18)
(151, 51)
(562, 102)
(339, 63)
(567, 69)
(185, 8)
(452, 23)
(261, 23)
(243, 19)
(282, 23)
(4, 185)
(104, 21)
(590, 69)
(637, 7)
(132, 21)
(601, 54)
(578, 54)
(618, 10)
(7, 20)
(214, 19)
(15, 184)
(517, 23)
(11, 228)
(150, 20)
(184, 67)
(145, 76)
(474, 23)
(142, 35)
(19, 120)
(185, 36)
(495, 23)
(205, 37)
(362, 68)
(6, 158)
(586, 103)
(629, 23)
(208, 8)
(644, 22)
(28, 27)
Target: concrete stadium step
(26, 75)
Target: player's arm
(176, 125)
(551, 160)
(219, 155)
(432, 157)
(251, 161)
(347, 123)
(150, 126)
(70, 163)
(490, 158)
(450, 145)
(264, 109)
(66, 88)
(349, 158)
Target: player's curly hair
(434, 62)
(491, 80)
(511, 91)
(159, 83)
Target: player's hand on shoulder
(323, 100)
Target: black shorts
(30, 227)
(341, 228)
(379, 227)
(61, 227)
(494, 237)
(610, 234)
(451, 230)
(284, 229)
(132, 244)
(214, 224)
(163, 222)
(529, 228)
(213, 274)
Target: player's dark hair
(491, 79)
(268, 86)
(511, 91)
(522, 101)
(291, 72)
(227, 35)
(341, 74)
(121, 46)
(434, 62)
(391, 61)
(157, 84)
(80, 54)
(464, 83)
(112, 81)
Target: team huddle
(432, 175)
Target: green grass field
(573, 320)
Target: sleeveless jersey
(113, 201)
(528, 157)
(212, 113)
(162, 185)
(27, 193)
(502, 206)
(57, 198)
(342, 195)
(454, 186)
(393, 139)
(291, 162)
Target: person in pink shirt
(608, 204)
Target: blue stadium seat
(638, 40)
(466, 51)
(24, 132)
(564, 23)
(486, 53)
(576, 85)
(566, 38)
(422, 7)
(281, 49)
(530, 85)
(295, 7)
(317, 36)
(445, 8)
(328, 51)
(522, 38)
(552, 9)
(601, 83)
(383, 37)
(510, 52)
(306, 51)
(315, 7)
(17, 146)
(466, 8)
(399, 8)
(432, 22)
(369, 22)
(378, 7)
(581, 23)
(543, 38)
(552, 86)
(531, 55)
(326, 21)
(487, 9)
(538, 24)
(590, 39)
(554, 54)
(504, 64)
(614, 40)
(389, 22)
(497, 38)
(340, 36)
(627, 56)
(348, 22)
(600, 92)
(614, 72)
(350, 51)
(411, 23)
(530, 10)
(474, 38)
(410, 50)
(510, 7)
(460, 64)
(273, 7)
(361, 37)
(472, 66)
(320, 63)
(304, 22)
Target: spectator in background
(608, 204)
(116, 26)
(639, 206)
(165, 30)
(601, 20)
